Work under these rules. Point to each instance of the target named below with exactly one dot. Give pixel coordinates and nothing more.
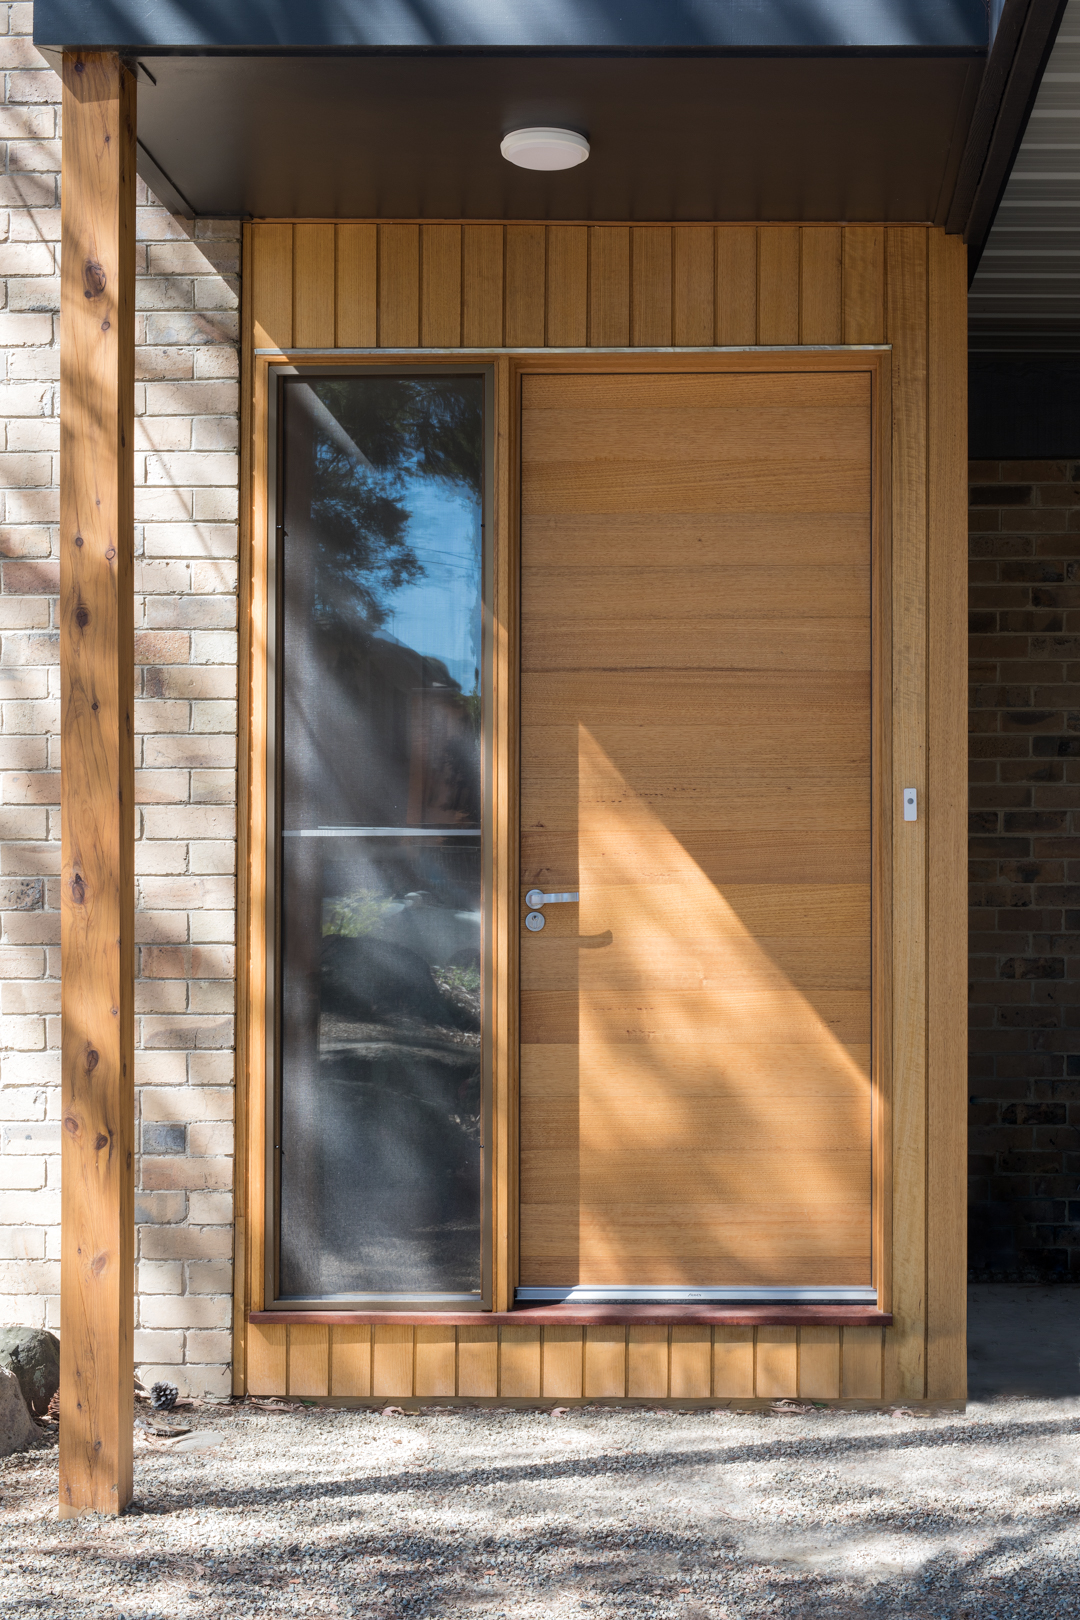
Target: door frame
(898, 621)
(875, 361)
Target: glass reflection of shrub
(354, 915)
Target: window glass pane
(380, 758)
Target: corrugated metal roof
(1026, 292)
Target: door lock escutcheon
(535, 898)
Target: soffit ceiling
(696, 109)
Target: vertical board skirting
(602, 1363)
(568, 285)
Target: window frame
(278, 376)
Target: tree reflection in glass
(380, 585)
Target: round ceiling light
(544, 148)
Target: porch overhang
(877, 110)
(696, 109)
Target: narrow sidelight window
(379, 798)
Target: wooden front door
(696, 763)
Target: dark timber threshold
(595, 1316)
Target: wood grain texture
(478, 1362)
(907, 330)
(558, 279)
(519, 1361)
(610, 1362)
(436, 1361)
(605, 1362)
(609, 286)
(864, 284)
(861, 1363)
(691, 1363)
(266, 1360)
(881, 852)
(504, 846)
(561, 1364)
(819, 1363)
(946, 1351)
(399, 286)
(647, 1362)
(525, 276)
(778, 284)
(356, 271)
(736, 284)
(314, 286)
(350, 1361)
(482, 286)
(693, 295)
(440, 286)
(820, 310)
(568, 286)
(635, 1167)
(733, 1363)
(392, 1360)
(272, 286)
(309, 1361)
(777, 1373)
(650, 297)
(97, 888)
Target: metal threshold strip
(382, 832)
(581, 1294)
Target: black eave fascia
(1014, 71)
(194, 26)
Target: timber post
(97, 361)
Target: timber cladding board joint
(321, 285)
(661, 286)
(676, 1363)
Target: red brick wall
(1025, 868)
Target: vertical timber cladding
(323, 288)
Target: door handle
(536, 898)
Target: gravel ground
(321, 1513)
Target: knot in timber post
(94, 279)
(91, 1060)
(82, 617)
(78, 889)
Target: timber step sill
(593, 1316)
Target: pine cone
(163, 1397)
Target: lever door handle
(537, 897)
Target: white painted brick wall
(186, 474)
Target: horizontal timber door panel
(712, 1071)
(696, 762)
(744, 857)
(731, 592)
(832, 539)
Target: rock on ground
(34, 1357)
(17, 1428)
